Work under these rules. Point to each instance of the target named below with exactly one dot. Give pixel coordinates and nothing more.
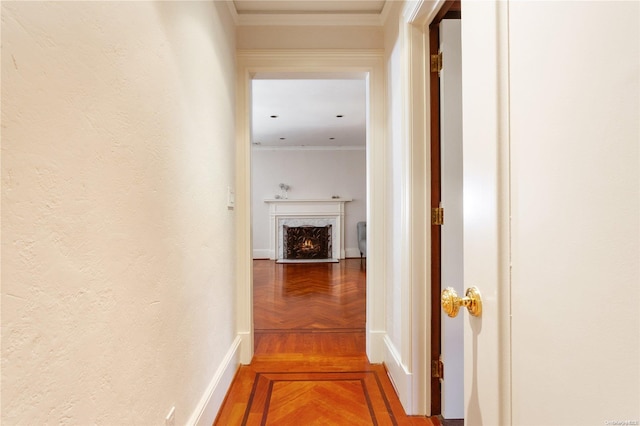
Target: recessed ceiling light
(273, 116)
(339, 115)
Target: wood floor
(310, 365)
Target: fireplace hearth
(307, 242)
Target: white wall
(575, 152)
(117, 244)
(311, 174)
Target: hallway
(310, 365)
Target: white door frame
(487, 67)
(370, 64)
(415, 20)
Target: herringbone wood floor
(310, 366)
(316, 296)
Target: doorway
(309, 174)
(364, 65)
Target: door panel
(552, 208)
(486, 211)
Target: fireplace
(307, 242)
(299, 213)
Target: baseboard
(402, 380)
(262, 253)
(351, 252)
(268, 254)
(375, 346)
(208, 406)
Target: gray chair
(362, 238)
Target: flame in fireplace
(306, 242)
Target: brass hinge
(437, 216)
(437, 368)
(436, 62)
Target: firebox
(307, 242)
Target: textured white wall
(311, 174)
(117, 266)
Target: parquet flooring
(310, 365)
(309, 296)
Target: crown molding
(384, 14)
(232, 10)
(307, 148)
(421, 12)
(335, 54)
(311, 19)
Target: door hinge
(437, 216)
(436, 62)
(437, 368)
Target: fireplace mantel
(306, 212)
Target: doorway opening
(308, 192)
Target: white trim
(207, 408)
(402, 379)
(233, 11)
(307, 148)
(296, 19)
(311, 62)
(386, 11)
(376, 341)
(370, 62)
(261, 253)
(351, 252)
(422, 12)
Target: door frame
(486, 71)
(370, 64)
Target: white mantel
(316, 212)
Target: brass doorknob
(451, 302)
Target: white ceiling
(306, 113)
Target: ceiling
(326, 113)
